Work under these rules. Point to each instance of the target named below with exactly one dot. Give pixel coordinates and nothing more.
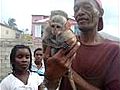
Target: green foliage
(12, 23)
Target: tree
(12, 23)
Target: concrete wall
(7, 32)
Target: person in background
(21, 77)
(38, 64)
(96, 65)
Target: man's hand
(57, 65)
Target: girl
(21, 77)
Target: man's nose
(81, 11)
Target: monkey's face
(56, 28)
(57, 24)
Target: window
(37, 30)
(7, 32)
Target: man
(38, 65)
(96, 65)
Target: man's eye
(88, 7)
(76, 8)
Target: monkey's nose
(54, 32)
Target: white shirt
(13, 83)
(40, 70)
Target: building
(7, 32)
(38, 23)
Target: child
(38, 65)
(21, 77)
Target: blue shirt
(40, 71)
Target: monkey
(58, 34)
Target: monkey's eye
(58, 26)
(55, 26)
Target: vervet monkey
(58, 34)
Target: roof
(42, 20)
(111, 37)
(10, 27)
(47, 18)
(41, 15)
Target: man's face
(38, 55)
(86, 14)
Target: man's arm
(81, 83)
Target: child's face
(22, 59)
(38, 55)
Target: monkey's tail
(70, 77)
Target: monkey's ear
(49, 21)
(68, 25)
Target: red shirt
(99, 65)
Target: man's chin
(83, 29)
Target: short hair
(13, 54)
(59, 12)
(59, 19)
(37, 50)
